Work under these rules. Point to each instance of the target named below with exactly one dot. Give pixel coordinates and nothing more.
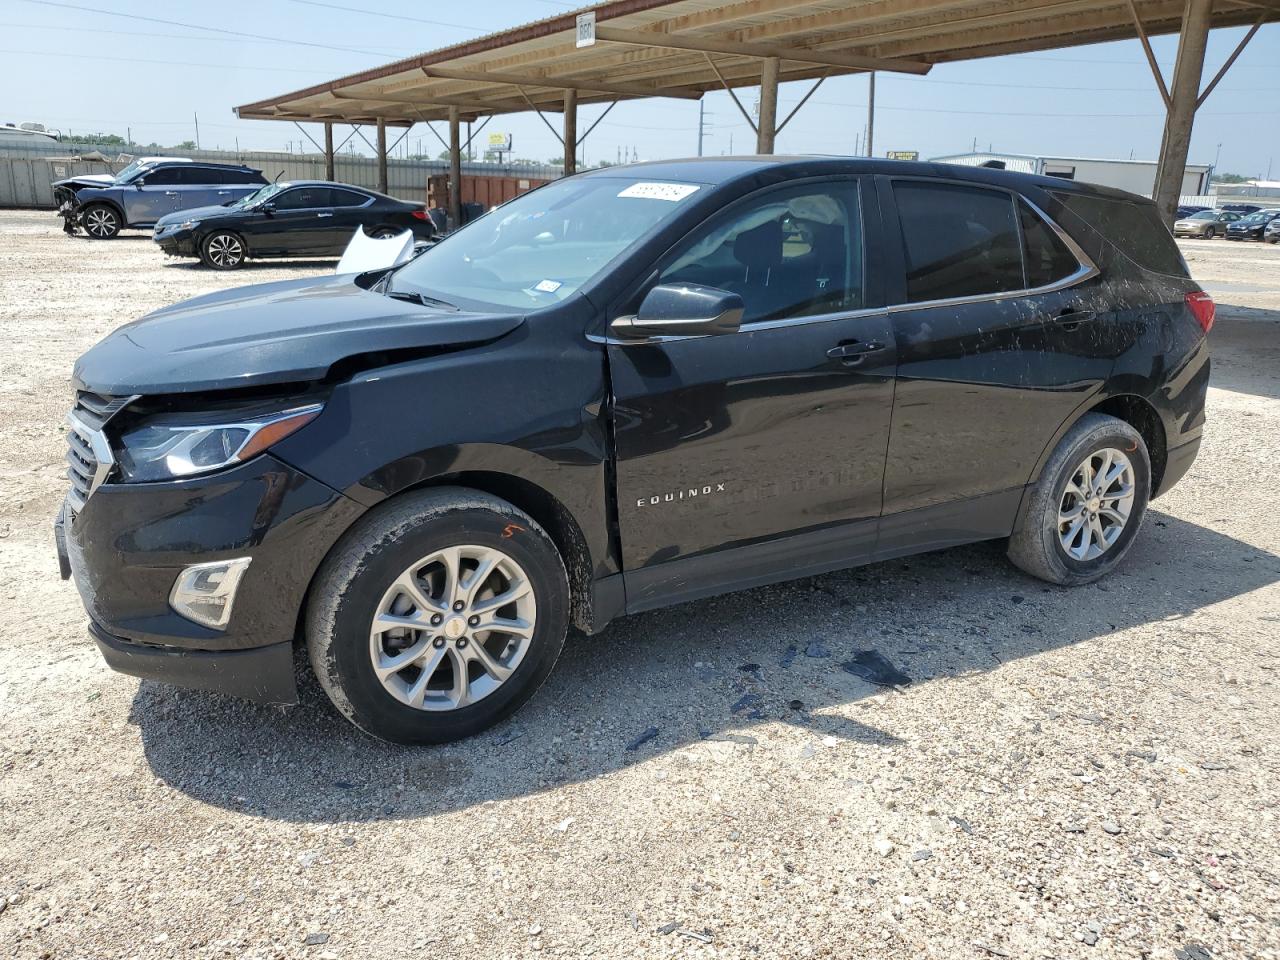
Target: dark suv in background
(143, 193)
(627, 389)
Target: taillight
(419, 214)
(1201, 306)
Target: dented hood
(271, 333)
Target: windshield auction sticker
(674, 192)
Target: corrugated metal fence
(26, 170)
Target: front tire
(437, 616)
(1210, 233)
(101, 221)
(223, 250)
(1088, 504)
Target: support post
(871, 113)
(768, 124)
(382, 155)
(455, 168)
(1183, 95)
(328, 151)
(570, 136)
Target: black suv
(627, 389)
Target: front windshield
(131, 171)
(1205, 215)
(543, 246)
(1256, 218)
(260, 195)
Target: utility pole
(702, 106)
(197, 116)
(871, 113)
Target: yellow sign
(903, 155)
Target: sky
(103, 65)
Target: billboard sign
(903, 155)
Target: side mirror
(682, 310)
(268, 208)
(139, 184)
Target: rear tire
(1211, 233)
(223, 250)
(382, 233)
(395, 623)
(1078, 527)
(101, 221)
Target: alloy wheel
(452, 628)
(226, 250)
(101, 223)
(1096, 504)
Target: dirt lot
(1083, 773)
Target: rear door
(351, 212)
(996, 327)
(737, 440)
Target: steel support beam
(328, 151)
(570, 135)
(382, 155)
(767, 128)
(455, 167)
(675, 41)
(1183, 95)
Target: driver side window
(790, 252)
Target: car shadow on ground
(303, 266)
(1243, 340)
(711, 669)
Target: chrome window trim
(1087, 268)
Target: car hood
(196, 213)
(286, 332)
(87, 180)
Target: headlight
(188, 224)
(171, 446)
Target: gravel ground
(1072, 773)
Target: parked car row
(1253, 224)
(225, 214)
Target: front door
(152, 196)
(300, 223)
(740, 440)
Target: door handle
(854, 351)
(1071, 319)
(171, 193)
(324, 214)
(223, 193)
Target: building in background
(1267, 191)
(1136, 176)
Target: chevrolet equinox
(630, 388)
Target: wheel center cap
(455, 627)
(1094, 504)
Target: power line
(62, 28)
(166, 63)
(389, 16)
(196, 26)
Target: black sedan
(1252, 226)
(300, 218)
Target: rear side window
(242, 176)
(302, 198)
(345, 198)
(1048, 258)
(958, 241)
(1134, 228)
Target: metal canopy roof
(661, 48)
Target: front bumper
(263, 674)
(178, 243)
(130, 541)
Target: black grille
(84, 436)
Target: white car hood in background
(365, 253)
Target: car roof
(161, 161)
(723, 170)
(335, 183)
